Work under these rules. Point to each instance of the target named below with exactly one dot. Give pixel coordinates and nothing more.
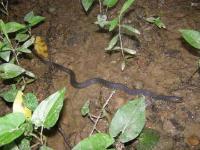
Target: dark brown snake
(109, 84)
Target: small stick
(99, 116)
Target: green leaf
(126, 6)
(87, 4)
(129, 120)
(99, 141)
(157, 21)
(110, 3)
(28, 43)
(130, 29)
(21, 37)
(24, 144)
(10, 95)
(112, 42)
(44, 147)
(85, 109)
(47, 112)
(10, 127)
(23, 50)
(147, 139)
(32, 19)
(3, 30)
(13, 27)
(8, 70)
(30, 101)
(113, 24)
(192, 37)
(5, 55)
(30, 74)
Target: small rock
(193, 140)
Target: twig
(99, 116)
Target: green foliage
(9, 95)
(85, 109)
(157, 21)
(30, 101)
(126, 125)
(110, 3)
(129, 120)
(47, 112)
(147, 139)
(99, 141)
(87, 4)
(114, 25)
(192, 37)
(14, 125)
(10, 127)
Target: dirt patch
(163, 64)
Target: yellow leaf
(41, 47)
(18, 105)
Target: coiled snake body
(109, 84)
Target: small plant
(193, 38)
(126, 125)
(157, 21)
(19, 128)
(114, 25)
(15, 40)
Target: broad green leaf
(85, 109)
(11, 146)
(28, 43)
(113, 42)
(10, 127)
(129, 120)
(32, 19)
(47, 112)
(30, 101)
(192, 37)
(44, 147)
(87, 4)
(24, 144)
(13, 27)
(99, 141)
(21, 37)
(8, 70)
(130, 29)
(5, 55)
(126, 6)
(147, 139)
(10, 95)
(110, 3)
(113, 24)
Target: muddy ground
(163, 64)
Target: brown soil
(164, 63)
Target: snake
(108, 84)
